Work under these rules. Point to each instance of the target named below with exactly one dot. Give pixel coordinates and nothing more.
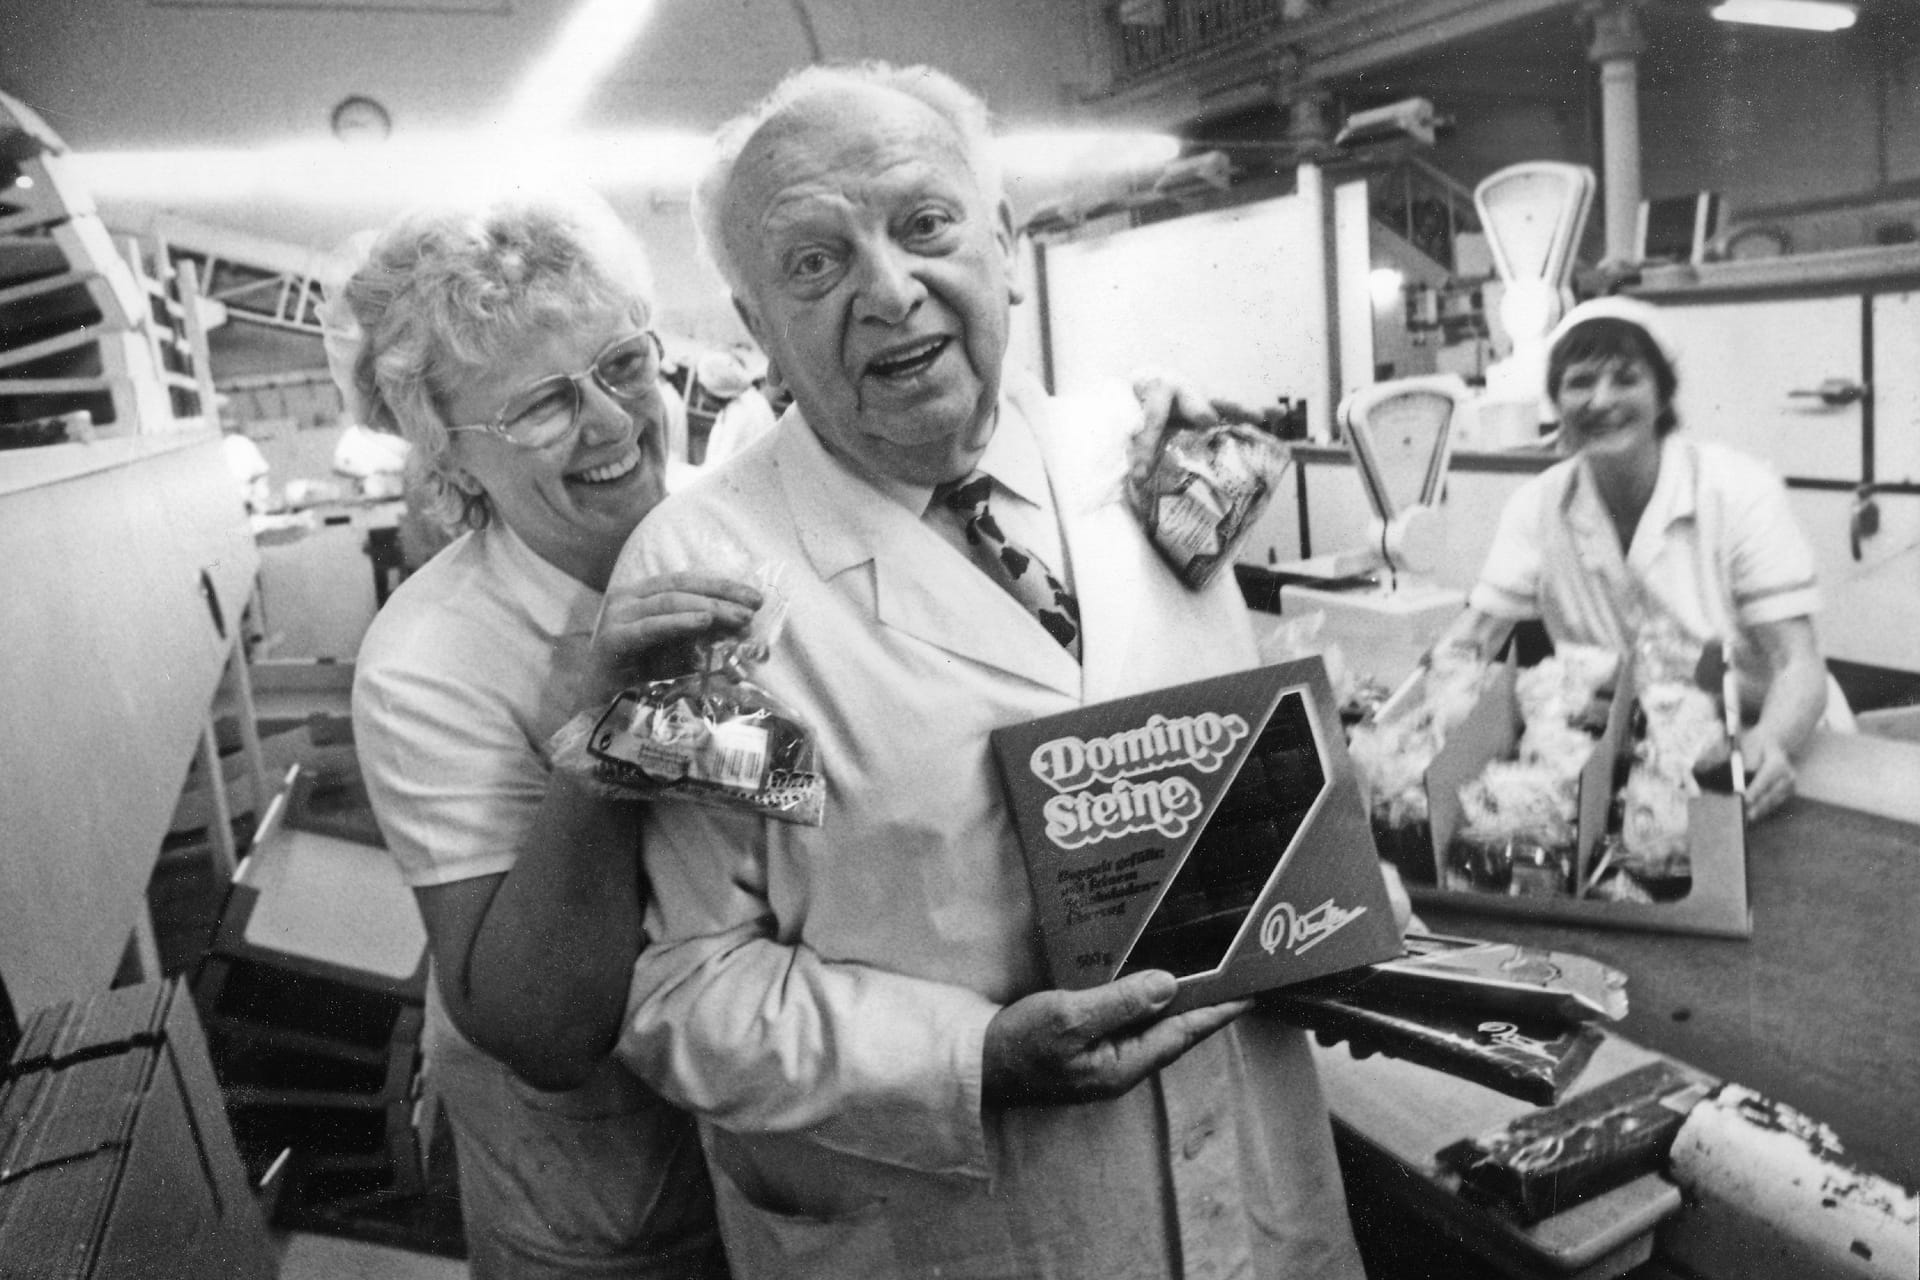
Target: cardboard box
(1211, 829)
(116, 1159)
(1717, 904)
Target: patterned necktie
(1019, 571)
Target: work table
(1816, 1011)
(1818, 1008)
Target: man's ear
(1009, 242)
(747, 318)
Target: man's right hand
(1087, 1046)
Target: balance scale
(1400, 436)
(1533, 215)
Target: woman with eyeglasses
(511, 346)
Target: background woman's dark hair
(1608, 338)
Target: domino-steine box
(1211, 829)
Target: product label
(735, 756)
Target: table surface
(1819, 1009)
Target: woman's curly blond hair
(444, 294)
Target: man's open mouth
(907, 361)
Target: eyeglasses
(548, 412)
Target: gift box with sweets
(1589, 786)
(1212, 829)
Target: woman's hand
(1795, 701)
(1770, 773)
(647, 630)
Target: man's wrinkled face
(876, 276)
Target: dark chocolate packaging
(1211, 829)
(1549, 1160)
(1530, 1058)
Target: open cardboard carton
(1212, 829)
(1716, 904)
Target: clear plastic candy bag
(1199, 490)
(711, 736)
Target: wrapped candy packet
(1533, 1059)
(716, 738)
(1518, 832)
(1569, 687)
(1519, 1020)
(711, 736)
(1199, 490)
(1501, 977)
(1391, 755)
(1683, 734)
(1549, 1160)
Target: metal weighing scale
(1400, 435)
(1533, 215)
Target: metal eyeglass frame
(498, 427)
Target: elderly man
(856, 1011)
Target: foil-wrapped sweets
(1199, 490)
(712, 738)
(712, 735)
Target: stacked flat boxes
(116, 1159)
(319, 1057)
(98, 335)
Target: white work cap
(1642, 315)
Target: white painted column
(1616, 49)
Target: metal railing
(1153, 35)
(1423, 204)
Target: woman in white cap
(1642, 529)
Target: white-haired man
(857, 1011)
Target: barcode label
(735, 757)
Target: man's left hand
(1058, 1047)
(1164, 396)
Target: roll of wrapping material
(1769, 1198)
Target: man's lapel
(1102, 537)
(922, 586)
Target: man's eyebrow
(807, 208)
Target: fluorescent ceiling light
(415, 169)
(1079, 153)
(434, 167)
(599, 32)
(1801, 15)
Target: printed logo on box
(1301, 931)
(1169, 805)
